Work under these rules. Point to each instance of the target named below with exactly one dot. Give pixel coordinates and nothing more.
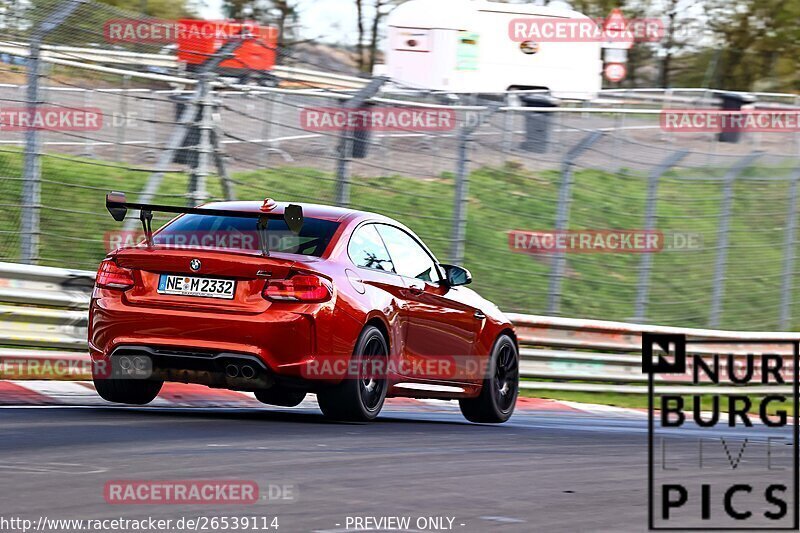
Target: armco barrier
(44, 309)
(563, 349)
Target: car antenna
(261, 227)
(146, 216)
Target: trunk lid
(249, 271)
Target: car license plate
(192, 286)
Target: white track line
(605, 410)
(82, 393)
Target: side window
(366, 249)
(410, 259)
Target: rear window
(232, 233)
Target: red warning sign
(615, 71)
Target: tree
(161, 9)
(277, 12)
(381, 9)
(598, 9)
(285, 10)
(668, 42)
(759, 43)
(360, 63)
(373, 40)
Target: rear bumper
(281, 341)
(223, 369)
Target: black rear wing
(118, 206)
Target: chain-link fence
(481, 186)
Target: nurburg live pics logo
(722, 433)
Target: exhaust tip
(248, 372)
(231, 371)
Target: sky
(333, 20)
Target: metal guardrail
(304, 78)
(565, 350)
(72, 54)
(44, 309)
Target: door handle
(479, 315)
(416, 291)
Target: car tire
(131, 391)
(359, 398)
(495, 403)
(280, 396)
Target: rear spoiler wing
(118, 206)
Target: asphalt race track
(548, 469)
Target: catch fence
(507, 168)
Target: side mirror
(456, 275)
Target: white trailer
(464, 46)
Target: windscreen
(235, 233)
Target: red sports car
(286, 299)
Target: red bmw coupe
(286, 299)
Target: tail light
(111, 276)
(299, 288)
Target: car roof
(325, 212)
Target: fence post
(643, 290)
(266, 126)
(122, 120)
(458, 234)
(718, 290)
(461, 197)
(344, 154)
(198, 194)
(31, 185)
(270, 127)
(797, 133)
(152, 118)
(508, 126)
(788, 255)
(562, 218)
(88, 150)
(228, 189)
(615, 152)
(345, 148)
(32, 170)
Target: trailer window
(411, 40)
(467, 51)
